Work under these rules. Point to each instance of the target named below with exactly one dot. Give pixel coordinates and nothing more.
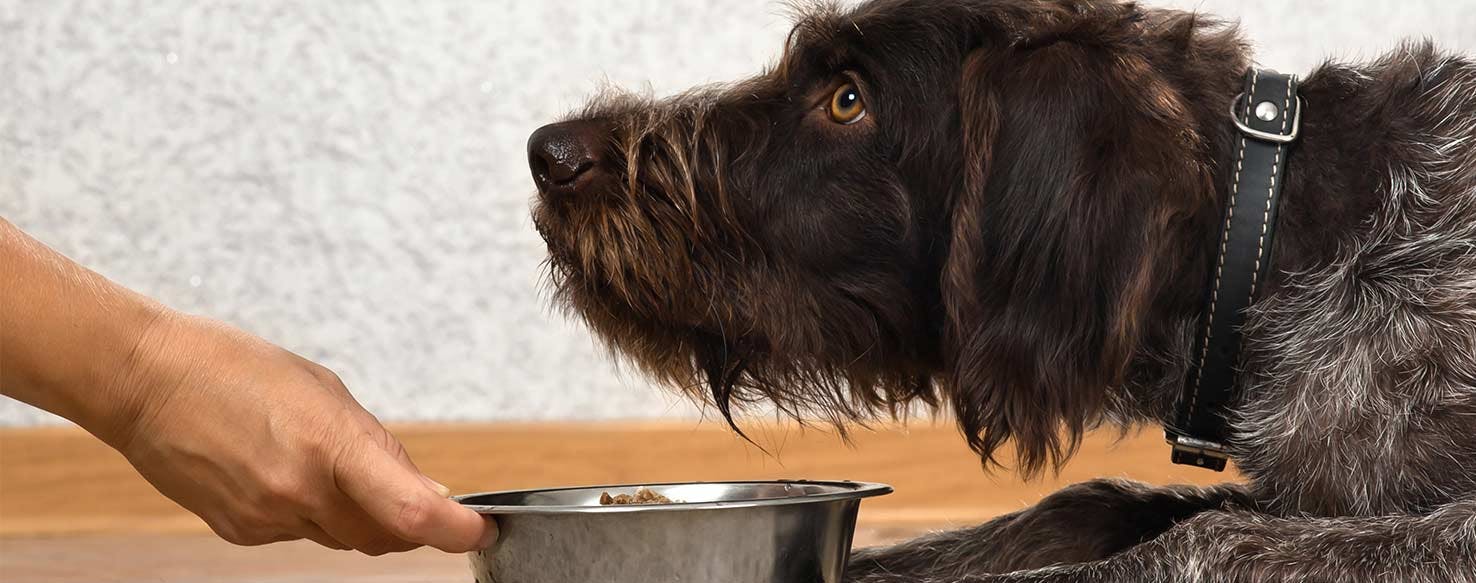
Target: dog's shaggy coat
(1019, 229)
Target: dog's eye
(846, 106)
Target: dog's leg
(1084, 522)
(1232, 546)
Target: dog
(1006, 209)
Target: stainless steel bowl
(714, 532)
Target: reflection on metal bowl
(721, 532)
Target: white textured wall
(346, 178)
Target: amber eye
(846, 106)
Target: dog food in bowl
(643, 495)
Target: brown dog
(1007, 208)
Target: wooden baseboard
(60, 481)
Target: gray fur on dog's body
(1357, 420)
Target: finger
(396, 448)
(370, 425)
(404, 505)
(342, 519)
(404, 458)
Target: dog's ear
(1077, 160)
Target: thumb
(400, 500)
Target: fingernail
(490, 536)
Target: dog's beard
(641, 241)
(662, 269)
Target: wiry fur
(1019, 231)
(1363, 366)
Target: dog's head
(956, 202)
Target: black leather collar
(1267, 118)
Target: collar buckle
(1287, 138)
(1197, 452)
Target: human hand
(266, 446)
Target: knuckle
(341, 454)
(410, 518)
(323, 444)
(395, 448)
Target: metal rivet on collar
(1267, 111)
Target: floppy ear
(1078, 159)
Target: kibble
(642, 495)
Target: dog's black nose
(564, 156)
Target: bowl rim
(848, 490)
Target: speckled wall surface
(347, 179)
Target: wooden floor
(71, 510)
(204, 559)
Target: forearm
(69, 338)
(260, 443)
